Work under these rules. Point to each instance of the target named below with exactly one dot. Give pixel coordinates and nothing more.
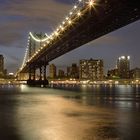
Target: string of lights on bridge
(76, 12)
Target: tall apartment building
(91, 69)
(52, 71)
(123, 65)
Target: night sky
(19, 17)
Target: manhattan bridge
(86, 21)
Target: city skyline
(121, 70)
(18, 19)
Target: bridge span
(88, 20)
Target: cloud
(65, 1)
(8, 39)
(11, 67)
(35, 9)
(18, 17)
(14, 58)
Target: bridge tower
(35, 42)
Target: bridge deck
(108, 16)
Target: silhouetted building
(135, 73)
(61, 74)
(123, 65)
(91, 69)
(113, 73)
(52, 71)
(1, 65)
(73, 71)
(5, 72)
(68, 72)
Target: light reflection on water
(92, 113)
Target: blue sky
(19, 17)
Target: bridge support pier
(32, 73)
(44, 72)
(42, 75)
(40, 70)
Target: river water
(91, 113)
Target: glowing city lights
(128, 57)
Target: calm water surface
(93, 113)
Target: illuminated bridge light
(67, 18)
(75, 6)
(62, 28)
(51, 37)
(70, 13)
(47, 42)
(70, 22)
(56, 33)
(91, 3)
(79, 13)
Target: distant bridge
(87, 21)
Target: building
(52, 70)
(1, 65)
(113, 73)
(135, 73)
(61, 74)
(123, 65)
(73, 71)
(5, 72)
(68, 72)
(91, 69)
